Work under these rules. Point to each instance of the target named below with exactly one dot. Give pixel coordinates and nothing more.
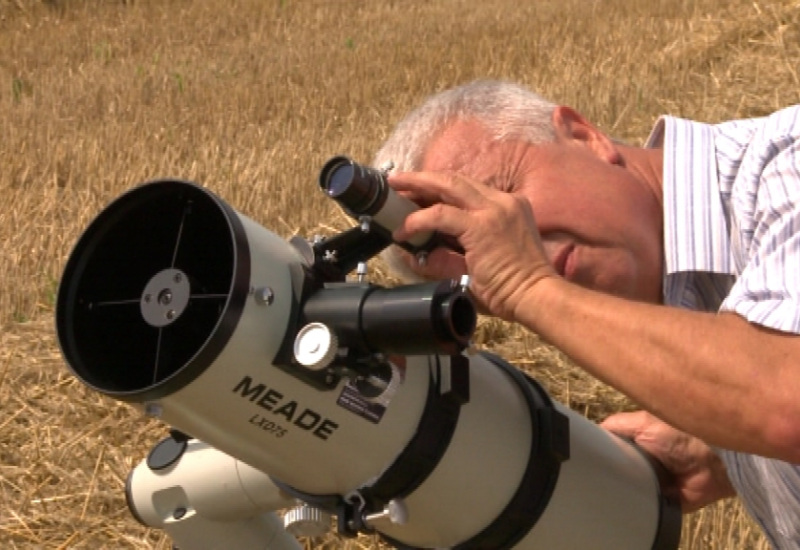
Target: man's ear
(572, 127)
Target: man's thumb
(624, 424)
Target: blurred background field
(250, 97)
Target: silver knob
(307, 521)
(315, 346)
(395, 511)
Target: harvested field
(249, 98)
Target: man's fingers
(434, 187)
(440, 217)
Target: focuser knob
(315, 346)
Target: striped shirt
(732, 243)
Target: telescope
(301, 397)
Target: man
(671, 272)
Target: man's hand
(698, 475)
(503, 253)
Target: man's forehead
(456, 147)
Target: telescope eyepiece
(359, 189)
(363, 191)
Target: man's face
(600, 224)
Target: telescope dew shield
(153, 290)
(364, 191)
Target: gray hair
(508, 112)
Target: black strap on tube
(419, 457)
(549, 448)
(426, 448)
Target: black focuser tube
(407, 320)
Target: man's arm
(716, 376)
(731, 383)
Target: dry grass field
(249, 97)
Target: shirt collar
(696, 236)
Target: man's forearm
(716, 376)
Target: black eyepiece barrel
(359, 189)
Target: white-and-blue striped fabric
(732, 243)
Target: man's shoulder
(785, 121)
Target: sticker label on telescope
(369, 397)
(352, 400)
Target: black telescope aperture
(357, 188)
(153, 290)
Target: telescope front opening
(148, 287)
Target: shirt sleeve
(765, 228)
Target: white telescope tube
(176, 303)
